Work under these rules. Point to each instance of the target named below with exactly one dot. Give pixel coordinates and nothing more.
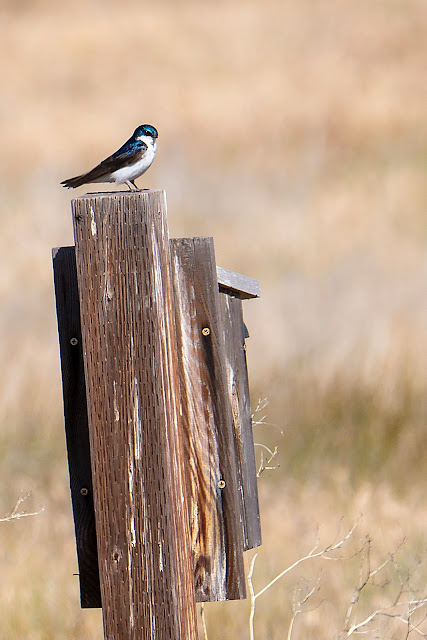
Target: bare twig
(262, 420)
(267, 466)
(313, 553)
(262, 404)
(406, 607)
(356, 628)
(298, 603)
(366, 577)
(16, 514)
(203, 618)
(252, 596)
(258, 420)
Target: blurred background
(295, 133)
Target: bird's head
(145, 131)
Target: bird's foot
(132, 186)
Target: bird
(129, 162)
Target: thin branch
(266, 467)
(203, 618)
(312, 554)
(16, 514)
(384, 612)
(252, 596)
(298, 604)
(366, 575)
(262, 404)
(405, 606)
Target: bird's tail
(72, 183)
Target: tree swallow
(125, 165)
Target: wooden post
(199, 425)
(129, 343)
(214, 501)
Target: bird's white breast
(133, 171)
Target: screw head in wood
(84, 491)
(74, 341)
(221, 484)
(206, 331)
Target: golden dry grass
(295, 133)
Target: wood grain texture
(129, 343)
(238, 389)
(76, 422)
(214, 503)
(238, 284)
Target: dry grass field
(295, 133)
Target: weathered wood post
(128, 333)
(211, 474)
(157, 417)
(233, 289)
(221, 473)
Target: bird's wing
(126, 155)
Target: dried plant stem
(366, 576)
(203, 618)
(16, 514)
(297, 608)
(253, 598)
(267, 465)
(313, 553)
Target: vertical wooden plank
(214, 503)
(76, 425)
(238, 388)
(129, 343)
